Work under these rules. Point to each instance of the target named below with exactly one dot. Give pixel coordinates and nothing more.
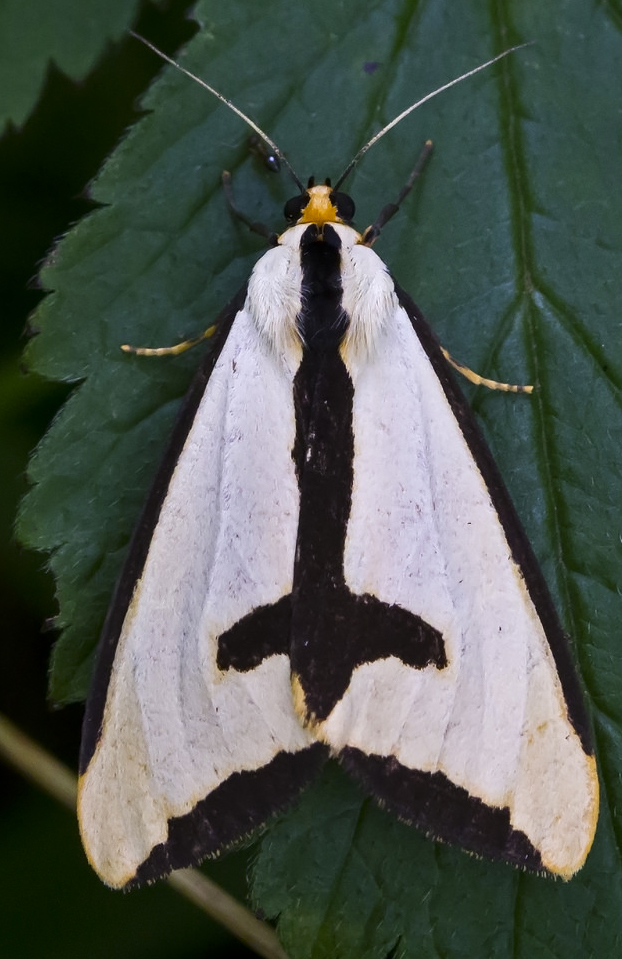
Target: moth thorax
(368, 299)
(274, 300)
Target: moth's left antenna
(228, 103)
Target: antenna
(404, 113)
(228, 103)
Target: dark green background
(512, 247)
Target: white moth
(329, 564)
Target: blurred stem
(36, 764)
(46, 772)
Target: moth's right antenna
(404, 113)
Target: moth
(329, 564)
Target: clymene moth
(328, 564)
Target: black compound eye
(294, 207)
(344, 204)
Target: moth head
(319, 205)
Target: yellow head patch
(320, 208)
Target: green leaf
(511, 245)
(37, 33)
(347, 879)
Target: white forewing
(423, 533)
(174, 725)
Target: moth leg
(372, 232)
(259, 228)
(482, 381)
(170, 350)
(261, 149)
